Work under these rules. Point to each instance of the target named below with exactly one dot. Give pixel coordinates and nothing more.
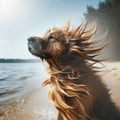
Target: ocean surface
(17, 80)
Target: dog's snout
(31, 40)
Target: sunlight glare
(7, 7)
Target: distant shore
(3, 60)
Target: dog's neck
(71, 64)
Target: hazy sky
(20, 19)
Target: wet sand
(112, 79)
(35, 105)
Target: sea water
(18, 79)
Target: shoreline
(32, 106)
(35, 104)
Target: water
(21, 94)
(16, 79)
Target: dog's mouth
(32, 49)
(35, 48)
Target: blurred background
(20, 19)
(21, 74)
(107, 16)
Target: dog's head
(51, 45)
(64, 43)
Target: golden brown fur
(75, 89)
(61, 87)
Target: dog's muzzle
(36, 48)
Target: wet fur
(76, 90)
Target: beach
(112, 80)
(34, 104)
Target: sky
(20, 19)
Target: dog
(77, 92)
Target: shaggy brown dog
(76, 91)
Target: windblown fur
(75, 89)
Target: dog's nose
(31, 40)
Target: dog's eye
(51, 38)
